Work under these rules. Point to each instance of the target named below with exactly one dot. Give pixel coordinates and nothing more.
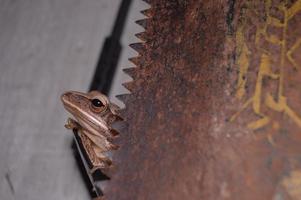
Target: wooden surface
(47, 47)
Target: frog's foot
(94, 169)
(72, 124)
(106, 163)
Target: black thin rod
(110, 53)
(121, 18)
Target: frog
(93, 117)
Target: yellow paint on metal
(243, 61)
(296, 45)
(257, 99)
(294, 9)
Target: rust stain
(190, 77)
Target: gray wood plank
(46, 47)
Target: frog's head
(92, 111)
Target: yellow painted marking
(243, 62)
(278, 103)
(292, 11)
(271, 103)
(259, 123)
(275, 22)
(296, 118)
(291, 51)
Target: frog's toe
(71, 124)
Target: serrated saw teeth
(119, 117)
(139, 61)
(142, 22)
(130, 71)
(139, 47)
(136, 61)
(123, 97)
(147, 12)
(142, 36)
(114, 132)
(128, 85)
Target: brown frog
(93, 118)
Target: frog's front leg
(104, 164)
(72, 124)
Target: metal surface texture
(214, 110)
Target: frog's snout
(65, 97)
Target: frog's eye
(97, 105)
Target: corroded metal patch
(214, 110)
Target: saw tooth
(115, 147)
(123, 97)
(119, 117)
(142, 36)
(109, 172)
(129, 85)
(142, 22)
(139, 47)
(132, 72)
(114, 132)
(147, 12)
(138, 61)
